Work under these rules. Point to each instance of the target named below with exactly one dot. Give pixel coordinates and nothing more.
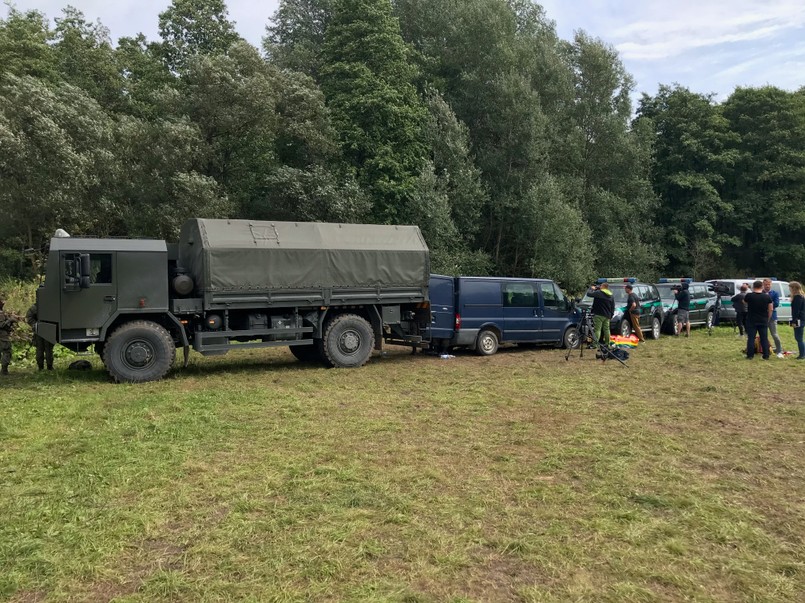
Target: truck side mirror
(83, 270)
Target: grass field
(518, 477)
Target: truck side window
(70, 274)
(100, 268)
(520, 295)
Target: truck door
(522, 320)
(442, 307)
(90, 308)
(554, 313)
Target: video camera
(720, 288)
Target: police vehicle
(732, 286)
(702, 303)
(651, 312)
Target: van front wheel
(487, 343)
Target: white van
(734, 286)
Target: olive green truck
(332, 292)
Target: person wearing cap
(759, 308)
(683, 309)
(6, 325)
(602, 310)
(740, 308)
(633, 310)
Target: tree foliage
(516, 152)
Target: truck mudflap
(185, 342)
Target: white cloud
(663, 29)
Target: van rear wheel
(487, 343)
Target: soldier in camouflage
(44, 349)
(6, 325)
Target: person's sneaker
(780, 355)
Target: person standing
(602, 310)
(775, 301)
(798, 316)
(740, 308)
(633, 311)
(6, 325)
(759, 309)
(683, 309)
(44, 349)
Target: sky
(709, 46)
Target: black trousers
(751, 330)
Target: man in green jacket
(602, 310)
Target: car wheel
(656, 326)
(487, 343)
(710, 315)
(571, 338)
(625, 328)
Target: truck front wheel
(348, 341)
(139, 351)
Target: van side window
(519, 295)
(100, 268)
(551, 297)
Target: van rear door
(442, 307)
(522, 320)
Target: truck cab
(91, 283)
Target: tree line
(516, 152)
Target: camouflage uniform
(6, 324)
(44, 349)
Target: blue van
(483, 312)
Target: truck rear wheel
(348, 341)
(139, 351)
(306, 353)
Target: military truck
(332, 292)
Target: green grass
(519, 477)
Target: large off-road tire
(656, 327)
(306, 353)
(348, 341)
(487, 343)
(139, 351)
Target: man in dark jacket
(633, 311)
(759, 309)
(740, 308)
(683, 309)
(602, 310)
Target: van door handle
(109, 298)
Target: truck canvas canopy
(238, 255)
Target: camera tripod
(585, 337)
